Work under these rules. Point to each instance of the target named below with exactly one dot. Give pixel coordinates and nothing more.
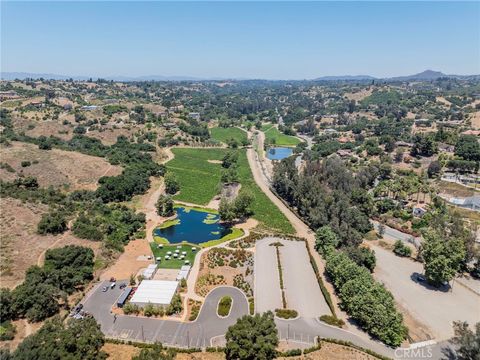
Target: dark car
(123, 286)
(421, 278)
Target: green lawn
(272, 133)
(224, 134)
(199, 183)
(173, 263)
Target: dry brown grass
(475, 119)
(359, 95)
(36, 128)
(21, 246)
(120, 351)
(56, 167)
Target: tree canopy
(252, 337)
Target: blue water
(279, 153)
(192, 227)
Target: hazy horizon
(253, 40)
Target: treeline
(45, 288)
(327, 193)
(364, 299)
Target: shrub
(26, 163)
(401, 249)
(52, 223)
(286, 313)
(332, 320)
(7, 331)
(224, 306)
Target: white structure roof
(155, 292)
(150, 271)
(183, 273)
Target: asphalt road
(170, 332)
(395, 234)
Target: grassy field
(199, 183)
(173, 263)
(272, 133)
(224, 134)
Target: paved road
(396, 234)
(170, 332)
(435, 308)
(301, 286)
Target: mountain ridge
(424, 75)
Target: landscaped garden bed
(224, 306)
(220, 266)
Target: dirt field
(36, 128)
(55, 167)
(21, 246)
(127, 263)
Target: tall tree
(252, 337)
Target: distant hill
(25, 75)
(427, 75)
(424, 75)
(345, 78)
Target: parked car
(112, 279)
(421, 278)
(104, 289)
(112, 285)
(123, 286)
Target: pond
(193, 226)
(279, 153)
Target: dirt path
(148, 202)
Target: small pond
(193, 226)
(279, 153)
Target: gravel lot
(267, 291)
(435, 308)
(301, 287)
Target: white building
(150, 271)
(156, 292)
(183, 273)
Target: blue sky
(271, 40)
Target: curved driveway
(170, 332)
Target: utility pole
(188, 339)
(143, 335)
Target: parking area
(268, 295)
(435, 308)
(302, 291)
(301, 287)
(170, 332)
